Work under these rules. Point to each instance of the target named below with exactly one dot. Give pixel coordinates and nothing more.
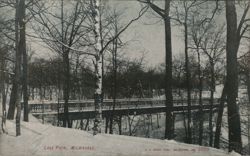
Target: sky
(147, 34)
(145, 37)
(150, 36)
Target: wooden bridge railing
(50, 106)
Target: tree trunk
(235, 142)
(32, 93)
(25, 67)
(248, 106)
(98, 69)
(114, 84)
(2, 91)
(157, 120)
(189, 137)
(98, 97)
(66, 87)
(13, 95)
(58, 93)
(169, 126)
(219, 118)
(120, 125)
(248, 85)
(66, 73)
(20, 50)
(106, 124)
(212, 87)
(130, 125)
(200, 100)
(4, 94)
(12, 103)
(87, 124)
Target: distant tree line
(133, 79)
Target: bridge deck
(129, 111)
(48, 106)
(81, 111)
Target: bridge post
(106, 124)
(120, 124)
(157, 118)
(43, 112)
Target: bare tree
(183, 17)
(196, 36)
(114, 64)
(213, 47)
(200, 25)
(234, 34)
(70, 31)
(99, 52)
(10, 30)
(165, 15)
(98, 48)
(183, 21)
(13, 96)
(6, 62)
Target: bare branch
(242, 20)
(246, 37)
(243, 31)
(77, 50)
(141, 13)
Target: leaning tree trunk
(12, 102)
(169, 124)
(235, 142)
(98, 68)
(13, 95)
(219, 118)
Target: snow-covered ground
(45, 140)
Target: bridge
(136, 106)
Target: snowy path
(45, 140)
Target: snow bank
(45, 140)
